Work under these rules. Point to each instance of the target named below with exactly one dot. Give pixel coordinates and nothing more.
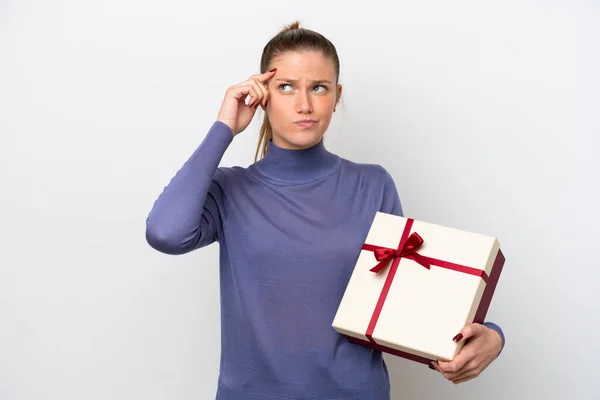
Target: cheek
(278, 105)
(274, 109)
(327, 104)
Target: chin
(301, 138)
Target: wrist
(496, 339)
(229, 125)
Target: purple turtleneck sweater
(290, 228)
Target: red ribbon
(406, 249)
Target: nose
(303, 103)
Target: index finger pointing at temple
(265, 77)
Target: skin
(482, 348)
(303, 85)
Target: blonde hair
(291, 38)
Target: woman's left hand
(483, 346)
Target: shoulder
(367, 170)
(377, 180)
(234, 179)
(227, 175)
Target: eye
(321, 86)
(281, 87)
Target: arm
(485, 342)
(498, 330)
(391, 203)
(186, 216)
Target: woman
(290, 227)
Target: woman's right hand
(234, 111)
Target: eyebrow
(294, 80)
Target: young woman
(290, 227)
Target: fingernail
(458, 337)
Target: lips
(306, 123)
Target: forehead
(310, 64)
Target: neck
(297, 166)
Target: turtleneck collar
(297, 166)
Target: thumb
(467, 332)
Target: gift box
(415, 285)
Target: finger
(445, 371)
(467, 369)
(257, 89)
(468, 373)
(467, 332)
(264, 77)
(253, 96)
(454, 367)
(263, 80)
(265, 92)
(464, 379)
(241, 91)
(437, 368)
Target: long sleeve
(391, 203)
(186, 214)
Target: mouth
(306, 123)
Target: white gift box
(427, 283)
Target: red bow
(408, 249)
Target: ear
(338, 95)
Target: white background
(485, 113)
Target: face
(303, 88)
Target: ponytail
(266, 133)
